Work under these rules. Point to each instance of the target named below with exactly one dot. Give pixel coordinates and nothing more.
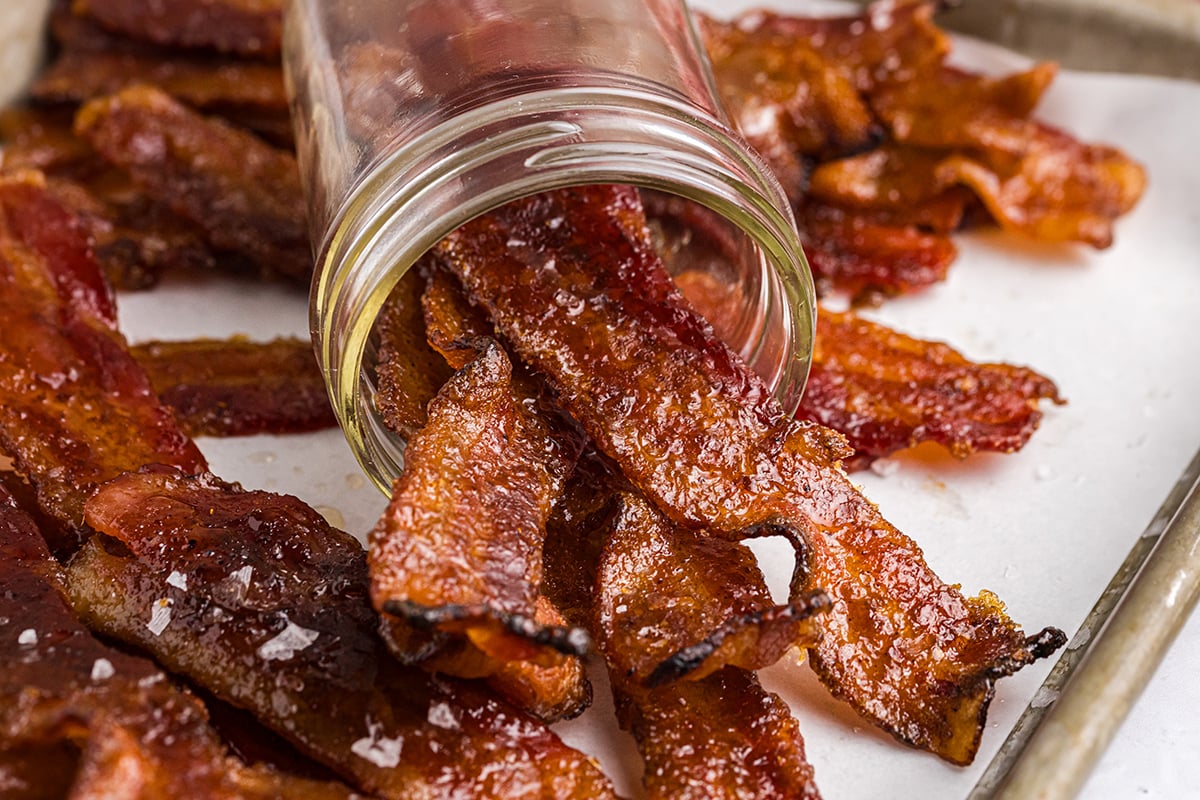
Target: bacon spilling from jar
(699, 434)
(456, 560)
(82, 719)
(245, 27)
(884, 149)
(252, 596)
(662, 591)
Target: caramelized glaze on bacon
(702, 437)
(408, 371)
(70, 391)
(247, 27)
(459, 549)
(81, 719)
(235, 387)
(717, 734)
(244, 194)
(886, 391)
(275, 618)
(92, 62)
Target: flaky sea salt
(287, 642)
(379, 750)
(160, 616)
(178, 580)
(442, 716)
(27, 637)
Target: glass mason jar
(414, 116)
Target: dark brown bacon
(702, 437)
(246, 27)
(275, 618)
(235, 387)
(81, 719)
(459, 550)
(69, 391)
(92, 62)
(244, 194)
(717, 734)
(886, 391)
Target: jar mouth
(546, 140)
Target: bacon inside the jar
(718, 733)
(701, 436)
(70, 391)
(246, 27)
(79, 718)
(235, 387)
(456, 560)
(886, 391)
(243, 193)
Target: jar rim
(550, 139)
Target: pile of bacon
(585, 456)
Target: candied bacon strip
(79, 718)
(235, 387)
(851, 252)
(458, 550)
(245, 27)
(886, 391)
(92, 63)
(275, 619)
(244, 194)
(717, 734)
(1030, 176)
(69, 391)
(704, 599)
(408, 371)
(701, 436)
(453, 326)
(1058, 190)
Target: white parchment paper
(1044, 528)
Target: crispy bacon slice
(70, 391)
(717, 734)
(452, 325)
(852, 252)
(795, 86)
(886, 391)
(702, 437)
(92, 63)
(235, 387)
(1031, 177)
(81, 719)
(897, 185)
(408, 371)
(244, 194)
(246, 27)
(458, 550)
(275, 618)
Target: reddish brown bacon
(717, 734)
(886, 391)
(71, 393)
(275, 618)
(248, 27)
(459, 549)
(81, 719)
(244, 194)
(235, 387)
(700, 435)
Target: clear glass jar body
(414, 116)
